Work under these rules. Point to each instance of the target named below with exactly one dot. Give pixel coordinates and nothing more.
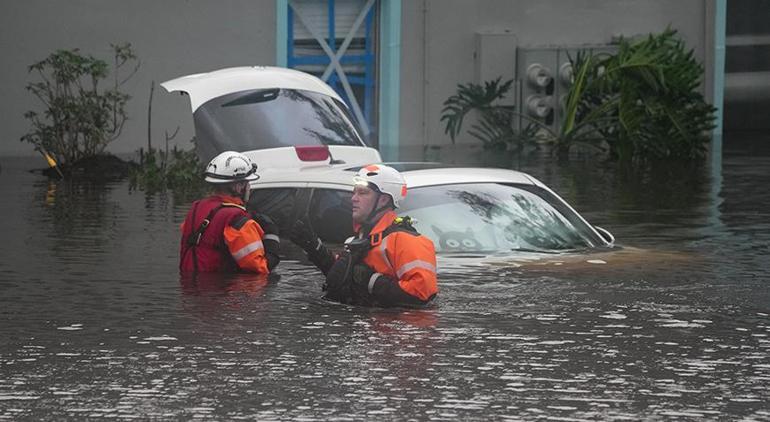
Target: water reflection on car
(493, 217)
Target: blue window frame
(345, 59)
(383, 115)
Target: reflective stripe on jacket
(409, 258)
(231, 241)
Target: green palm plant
(495, 127)
(641, 103)
(580, 125)
(650, 88)
(495, 123)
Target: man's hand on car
(267, 223)
(303, 236)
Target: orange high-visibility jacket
(231, 241)
(405, 258)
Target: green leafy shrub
(650, 92)
(80, 116)
(495, 126)
(177, 170)
(639, 104)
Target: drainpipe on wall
(720, 28)
(718, 90)
(281, 32)
(389, 78)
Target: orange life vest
(218, 235)
(405, 256)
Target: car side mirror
(606, 235)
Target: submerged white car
(308, 148)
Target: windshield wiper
(534, 250)
(549, 251)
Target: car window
(271, 118)
(280, 204)
(330, 215)
(491, 217)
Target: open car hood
(255, 109)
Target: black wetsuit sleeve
(272, 253)
(321, 257)
(387, 292)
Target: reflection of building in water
(215, 296)
(220, 284)
(402, 347)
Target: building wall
(171, 37)
(747, 67)
(438, 43)
(178, 37)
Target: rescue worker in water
(387, 262)
(219, 235)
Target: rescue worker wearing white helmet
(387, 263)
(219, 235)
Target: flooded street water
(95, 321)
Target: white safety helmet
(383, 179)
(229, 167)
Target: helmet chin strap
(368, 224)
(244, 193)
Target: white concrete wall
(438, 43)
(176, 37)
(171, 37)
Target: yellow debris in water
(51, 161)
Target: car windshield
(270, 118)
(492, 217)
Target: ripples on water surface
(96, 323)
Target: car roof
(202, 87)
(417, 175)
(286, 161)
(455, 175)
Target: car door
(329, 213)
(283, 205)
